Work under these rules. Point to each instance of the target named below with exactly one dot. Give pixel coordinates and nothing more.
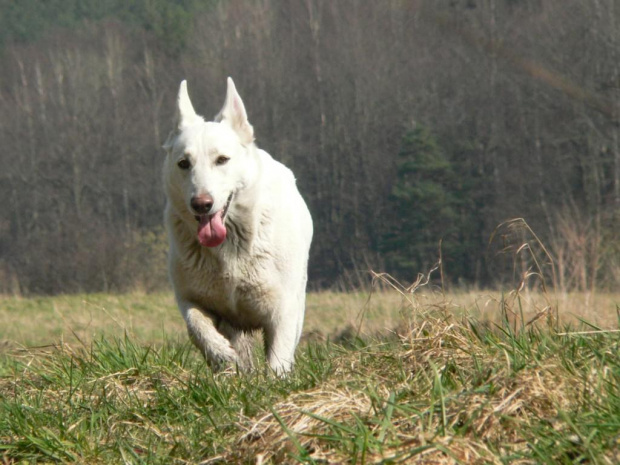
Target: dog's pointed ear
(184, 115)
(234, 114)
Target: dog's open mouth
(211, 228)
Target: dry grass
(77, 319)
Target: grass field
(474, 377)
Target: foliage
(30, 20)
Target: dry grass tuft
(477, 424)
(297, 425)
(447, 389)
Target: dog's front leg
(280, 343)
(201, 327)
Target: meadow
(382, 376)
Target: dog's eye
(184, 164)
(221, 160)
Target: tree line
(414, 128)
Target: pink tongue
(211, 230)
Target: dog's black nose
(202, 204)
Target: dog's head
(208, 163)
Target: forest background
(406, 123)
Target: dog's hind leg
(201, 327)
(242, 342)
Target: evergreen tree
(423, 206)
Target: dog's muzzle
(203, 205)
(228, 202)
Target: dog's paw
(280, 368)
(221, 357)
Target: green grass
(442, 387)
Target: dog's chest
(236, 288)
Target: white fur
(256, 279)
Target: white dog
(239, 234)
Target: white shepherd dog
(239, 234)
